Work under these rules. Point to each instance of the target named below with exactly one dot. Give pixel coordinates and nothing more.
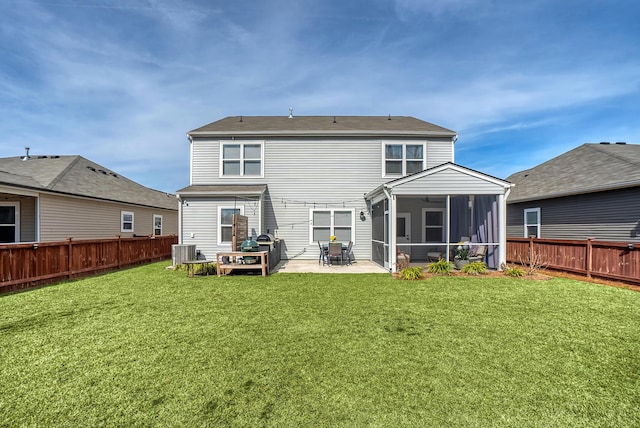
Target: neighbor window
(403, 159)
(241, 159)
(157, 224)
(532, 222)
(9, 222)
(336, 222)
(432, 225)
(126, 221)
(225, 223)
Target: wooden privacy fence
(611, 260)
(26, 265)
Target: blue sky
(120, 82)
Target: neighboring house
(51, 198)
(592, 191)
(385, 183)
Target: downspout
(180, 241)
(190, 159)
(453, 151)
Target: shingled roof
(321, 126)
(585, 169)
(75, 175)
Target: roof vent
(622, 143)
(290, 112)
(26, 156)
(42, 157)
(604, 142)
(389, 118)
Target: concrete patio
(312, 266)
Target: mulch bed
(545, 276)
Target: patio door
(403, 232)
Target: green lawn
(150, 347)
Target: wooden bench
(235, 260)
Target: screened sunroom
(436, 213)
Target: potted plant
(461, 257)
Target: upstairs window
(403, 159)
(241, 159)
(532, 222)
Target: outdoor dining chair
(334, 250)
(347, 252)
(323, 253)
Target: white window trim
(133, 219)
(423, 226)
(331, 227)
(153, 225)
(404, 157)
(16, 224)
(526, 225)
(219, 223)
(241, 144)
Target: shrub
(513, 271)
(441, 267)
(411, 273)
(475, 268)
(203, 269)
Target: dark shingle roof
(321, 126)
(75, 175)
(587, 168)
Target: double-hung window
(9, 222)
(403, 159)
(532, 222)
(241, 159)
(225, 223)
(327, 222)
(157, 224)
(126, 221)
(433, 225)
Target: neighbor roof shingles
(587, 168)
(75, 175)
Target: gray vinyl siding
(302, 173)
(27, 219)
(200, 222)
(439, 152)
(81, 218)
(607, 216)
(448, 182)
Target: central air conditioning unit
(181, 253)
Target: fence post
(119, 255)
(70, 256)
(589, 257)
(530, 250)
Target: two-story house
(385, 183)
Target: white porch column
(502, 229)
(393, 226)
